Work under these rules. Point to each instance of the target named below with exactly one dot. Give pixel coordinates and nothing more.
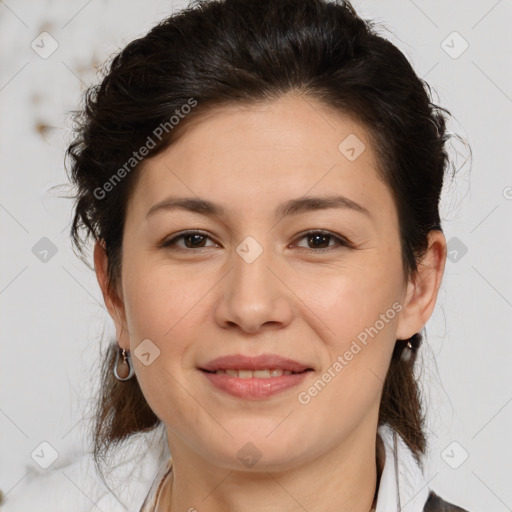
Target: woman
(262, 182)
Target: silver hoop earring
(128, 370)
(407, 352)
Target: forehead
(252, 155)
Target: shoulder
(77, 485)
(436, 504)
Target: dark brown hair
(245, 51)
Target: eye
(320, 240)
(193, 240)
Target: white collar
(402, 487)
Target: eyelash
(340, 241)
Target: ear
(111, 297)
(423, 287)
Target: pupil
(194, 239)
(315, 237)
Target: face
(322, 285)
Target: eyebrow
(288, 208)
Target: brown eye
(317, 241)
(321, 240)
(192, 240)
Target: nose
(254, 295)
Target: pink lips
(254, 388)
(241, 362)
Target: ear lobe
(423, 288)
(112, 301)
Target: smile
(255, 385)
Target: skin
(294, 300)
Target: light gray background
(52, 312)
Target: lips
(254, 363)
(254, 378)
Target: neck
(343, 478)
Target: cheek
(358, 313)
(352, 300)
(157, 308)
(356, 348)
(157, 298)
(163, 305)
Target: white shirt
(78, 487)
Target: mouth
(254, 385)
(265, 363)
(254, 377)
(265, 373)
